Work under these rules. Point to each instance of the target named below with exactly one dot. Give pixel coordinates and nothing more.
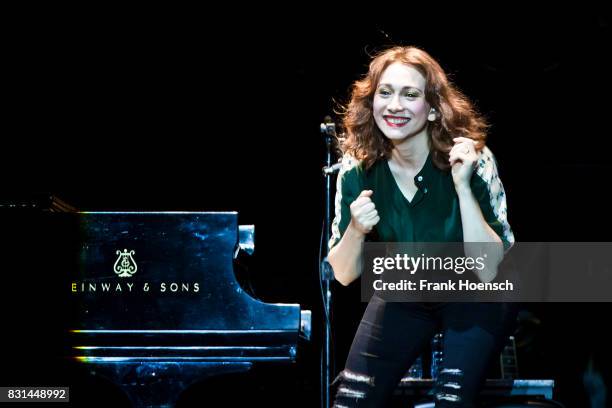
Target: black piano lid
(182, 298)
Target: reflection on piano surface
(157, 305)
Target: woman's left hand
(463, 158)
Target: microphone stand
(326, 272)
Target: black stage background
(154, 111)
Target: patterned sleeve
(489, 191)
(348, 188)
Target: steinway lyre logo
(125, 266)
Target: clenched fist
(463, 158)
(363, 213)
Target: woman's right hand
(363, 212)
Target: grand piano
(157, 305)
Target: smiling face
(400, 109)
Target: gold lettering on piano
(175, 287)
(102, 287)
(133, 287)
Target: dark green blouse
(433, 214)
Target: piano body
(157, 305)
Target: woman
(416, 169)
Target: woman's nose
(394, 105)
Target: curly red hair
(456, 114)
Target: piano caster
(159, 384)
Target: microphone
(328, 127)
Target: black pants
(392, 335)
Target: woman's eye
(384, 92)
(411, 94)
